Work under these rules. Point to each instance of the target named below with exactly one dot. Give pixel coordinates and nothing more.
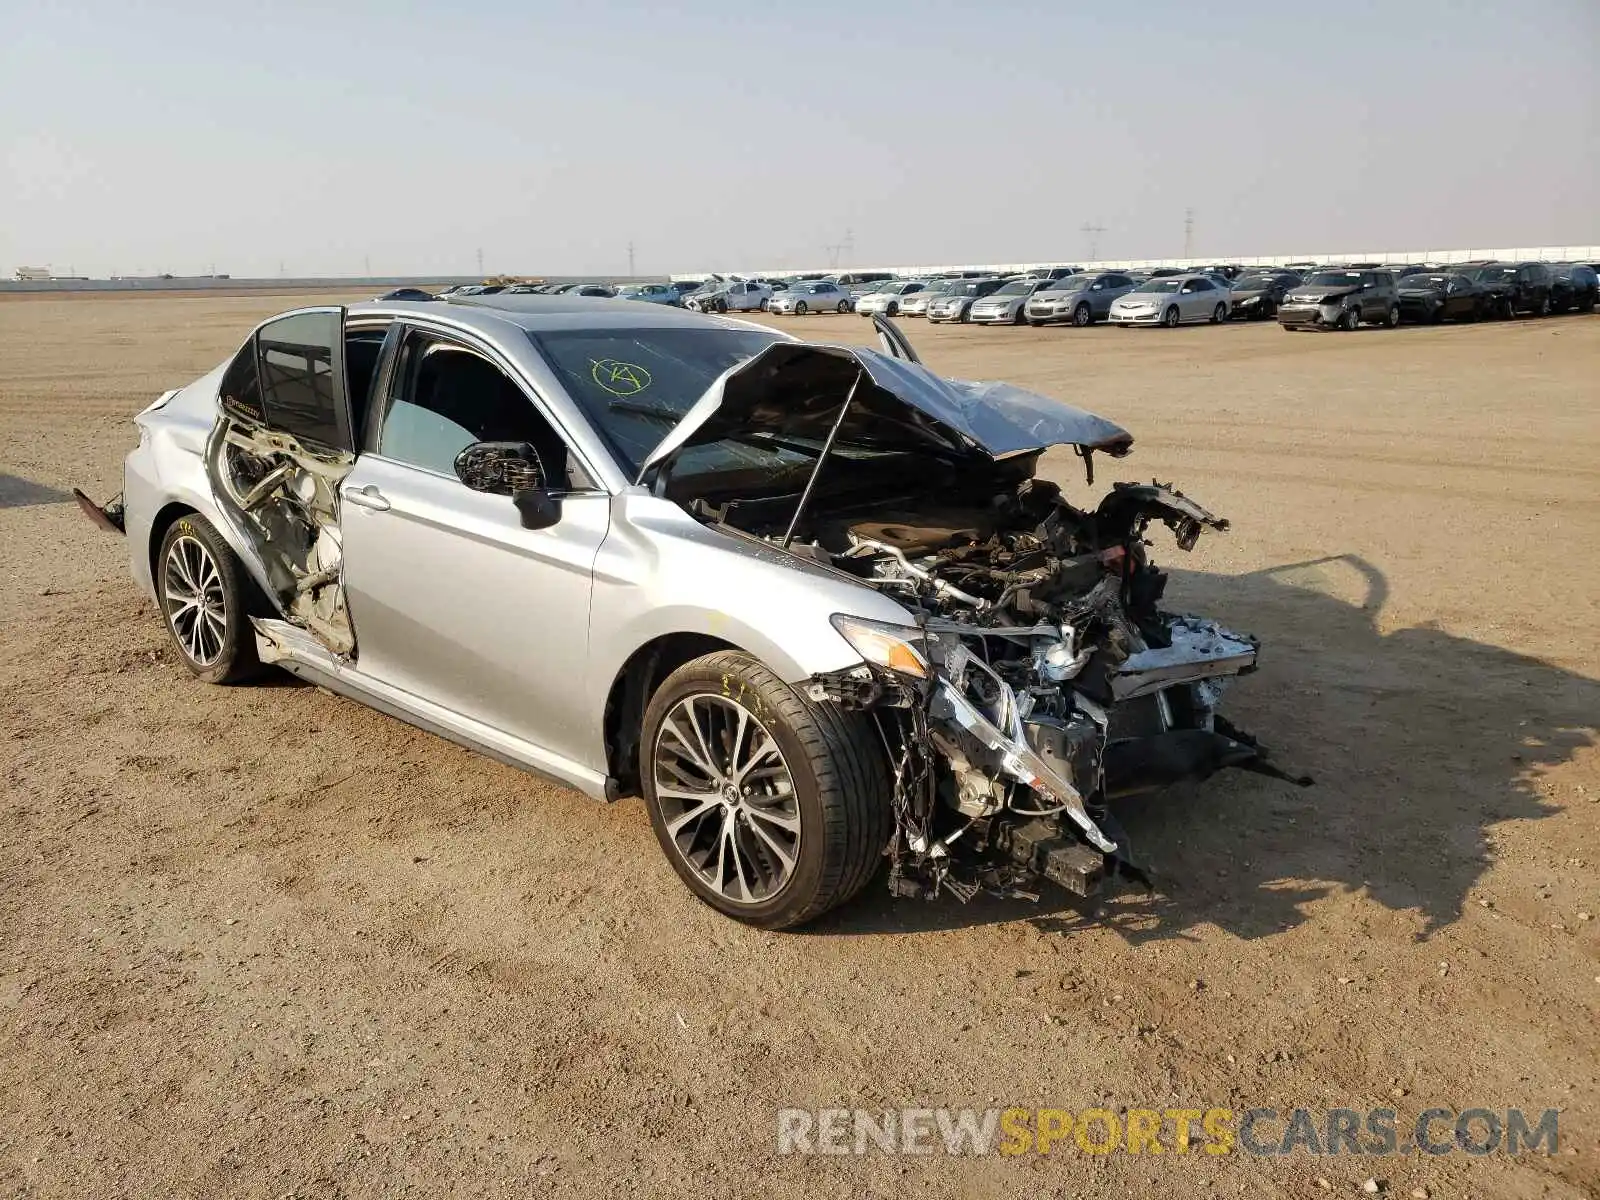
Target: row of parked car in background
(1335, 296)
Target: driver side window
(444, 396)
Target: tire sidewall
(758, 695)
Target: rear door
(452, 599)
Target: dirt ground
(265, 942)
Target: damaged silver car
(811, 602)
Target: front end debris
(1042, 680)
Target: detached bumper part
(109, 517)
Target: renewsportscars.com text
(1263, 1132)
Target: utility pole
(843, 247)
(1188, 233)
(480, 262)
(366, 265)
(630, 260)
(1094, 231)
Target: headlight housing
(897, 648)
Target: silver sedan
(820, 295)
(1007, 305)
(1173, 300)
(602, 541)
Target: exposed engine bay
(1046, 681)
(283, 498)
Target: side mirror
(510, 469)
(500, 468)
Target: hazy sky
(324, 136)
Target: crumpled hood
(796, 389)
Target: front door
(451, 598)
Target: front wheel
(1350, 320)
(770, 807)
(800, 309)
(1170, 317)
(1083, 316)
(893, 310)
(200, 584)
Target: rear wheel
(201, 584)
(1391, 319)
(1083, 315)
(1219, 314)
(1170, 317)
(771, 808)
(1544, 306)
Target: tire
(965, 316)
(844, 306)
(1437, 316)
(1083, 316)
(1022, 315)
(194, 562)
(1391, 319)
(1219, 314)
(766, 303)
(1170, 317)
(824, 776)
(800, 309)
(1350, 320)
(722, 306)
(1036, 324)
(1544, 307)
(893, 310)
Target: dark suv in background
(1342, 298)
(1514, 287)
(1574, 286)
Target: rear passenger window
(302, 361)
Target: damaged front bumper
(998, 784)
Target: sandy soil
(262, 941)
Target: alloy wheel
(193, 596)
(727, 797)
(1081, 316)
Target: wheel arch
(629, 695)
(162, 522)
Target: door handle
(367, 497)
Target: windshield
(1334, 279)
(1421, 280)
(1256, 283)
(1017, 287)
(1160, 285)
(964, 287)
(634, 385)
(1068, 283)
